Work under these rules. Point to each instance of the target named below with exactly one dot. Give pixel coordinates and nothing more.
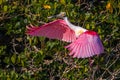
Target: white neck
(77, 29)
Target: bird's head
(61, 15)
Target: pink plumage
(88, 44)
(57, 29)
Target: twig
(109, 67)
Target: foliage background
(39, 58)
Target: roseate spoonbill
(84, 43)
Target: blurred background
(23, 57)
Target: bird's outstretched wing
(57, 29)
(87, 45)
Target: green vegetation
(23, 57)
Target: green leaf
(18, 59)
(17, 24)
(87, 15)
(62, 2)
(41, 52)
(93, 24)
(6, 60)
(0, 1)
(22, 62)
(86, 69)
(8, 78)
(88, 26)
(5, 8)
(13, 58)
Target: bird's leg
(91, 61)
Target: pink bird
(84, 43)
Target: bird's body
(85, 43)
(77, 29)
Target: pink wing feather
(57, 29)
(88, 44)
